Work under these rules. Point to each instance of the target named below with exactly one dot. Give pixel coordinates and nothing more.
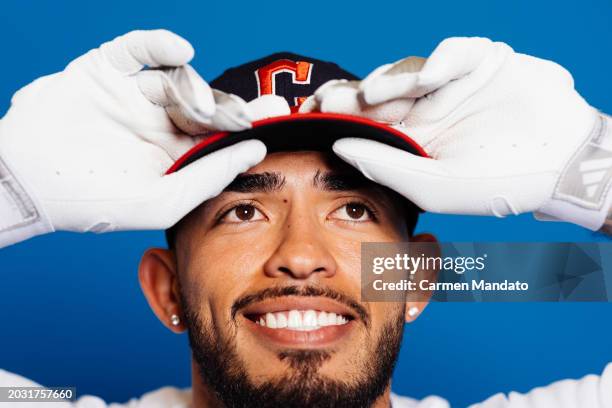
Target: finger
(339, 96)
(205, 178)
(313, 102)
(404, 77)
(319, 94)
(452, 59)
(456, 88)
(426, 182)
(309, 105)
(407, 65)
(386, 88)
(187, 98)
(193, 106)
(191, 90)
(232, 113)
(130, 52)
(345, 97)
(268, 106)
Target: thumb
(423, 181)
(444, 186)
(205, 178)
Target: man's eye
(355, 212)
(242, 213)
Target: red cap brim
(303, 131)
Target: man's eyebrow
(256, 183)
(332, 181)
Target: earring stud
(413, 311)
(175, 320)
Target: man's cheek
(222, 268)
(348, 257)
(219, 286)
(238, 256)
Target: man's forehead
(323, 171)
(300, 163)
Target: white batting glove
(86, 149)
(506, 133)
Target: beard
(221, 368)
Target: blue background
(70, 306)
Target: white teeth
(295, 319)
(270, 321)
(281, 320)
(331, 319)
(322, 319)
(302, 320)
(310, 319)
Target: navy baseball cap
(293, 77)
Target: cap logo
(300, 75)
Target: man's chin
(290, 363)
(301, 385)
(256, 368)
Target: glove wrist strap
(583, 193)
(19, 217)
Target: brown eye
(242, 213)
(355, 212)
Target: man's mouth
(303, 320)
(297, 321)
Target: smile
(302, 320)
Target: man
(281, 242)
(266, 278)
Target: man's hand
(86, 149)
(506, 133)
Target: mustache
(306, 291)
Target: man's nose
(301, 252)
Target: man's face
(269, 276)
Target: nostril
(284, 269)
(300, 272)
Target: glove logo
(595, 174)
(270, 81)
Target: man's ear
(157, 274)
(418, 301)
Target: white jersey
(591, 391)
